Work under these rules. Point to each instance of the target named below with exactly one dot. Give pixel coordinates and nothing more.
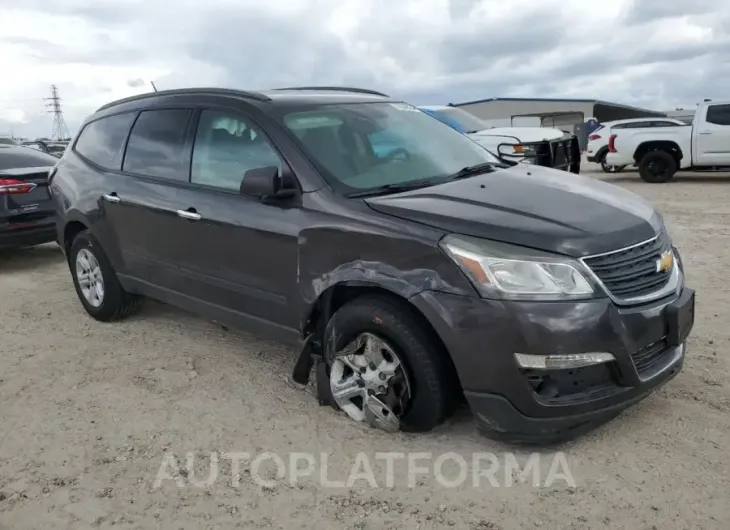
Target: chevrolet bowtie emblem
(665, 262)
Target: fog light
(560, 362)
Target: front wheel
(385, 367)
(657, 167)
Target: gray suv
(411, 266)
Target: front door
(713, 137)
(237, 254)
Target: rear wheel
(657, 167)
(96, 282)
(385, 367)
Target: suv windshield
(365, 146)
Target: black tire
(116, 303)
(657, 167)
(434, 387)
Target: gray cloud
(644, 11)
(539, 48)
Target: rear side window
(156, 146)
(718, 114)
(632, 125)
(102, 141)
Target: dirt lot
(88, 411)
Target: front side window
(156, 146)
(102, 141)
(361, 146)
(718, 114)
(226, 146)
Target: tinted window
(226, 146)
(633, 125)
(718, 114)
(102, 141)
(660, 123)
(156, 145)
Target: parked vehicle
(55, 148)
(597, 148)
(541, 146)
(660, 152)
(409, 278)
(26, 211)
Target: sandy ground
(88, 412)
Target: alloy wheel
(89, 277)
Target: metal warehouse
(569, 115)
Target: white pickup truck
(659, 152)
(540, 146)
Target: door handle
(188, 214)
(705, 132)
(111, 197)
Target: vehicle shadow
(38, 257)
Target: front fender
(404, 267)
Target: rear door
(712, 136)
(141, 203)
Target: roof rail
(337, 89)
(181, 91)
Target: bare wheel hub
(369, 383)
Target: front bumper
(563, 154)
(17, 235)
(483, 336)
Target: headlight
(517, 150)
(499, 270)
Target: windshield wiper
(470, 171)
(395, 188)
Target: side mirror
(261, 182)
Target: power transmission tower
(60, 130)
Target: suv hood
(523, 134)
(534, 207)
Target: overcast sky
(659, 54)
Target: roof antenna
(153, 86)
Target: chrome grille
(632, 272)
